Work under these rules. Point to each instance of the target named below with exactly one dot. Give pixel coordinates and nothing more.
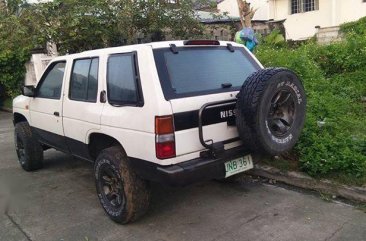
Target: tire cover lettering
(294, 88)
(278, 140)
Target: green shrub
(14, 51)
(12, 70)
(297, 60)
(337, 58)
(275, 38)
(346, 56)
(334, 136)
(357, 27)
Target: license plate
(238, 165)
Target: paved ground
(59, 203)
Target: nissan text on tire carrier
(175, 112)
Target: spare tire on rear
(270, 111)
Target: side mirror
(29, 91)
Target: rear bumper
(185, 173)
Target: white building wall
(302, 25)
(331, 13)
(35, 68)
(231, 7)
(350, 10)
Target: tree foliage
(14, 47)
(82, 25)
(75, 26)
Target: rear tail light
(164, 137)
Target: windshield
(202, 70)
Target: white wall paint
(231, 6)
(351, 10)
(35, 68)
(331, 13)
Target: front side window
(300, 6)
(84, 80)
(51, 83)
(202, 70)
(122, 78)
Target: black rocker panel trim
(62, 143)
(78, 149)
(51, 139)
(214, 115)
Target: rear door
(193, 76)
(82, 108)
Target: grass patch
(362, 207)
(283, 163)
(333, 142)
(347, 179)
(326, 197)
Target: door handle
(56, 113)
(103, 97)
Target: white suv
(173, 112)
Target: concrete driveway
(59, 203)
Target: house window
(295, 6)
(300, 6)
(309, 5)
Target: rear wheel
(271, 110)
(124, 196)
(29, 150)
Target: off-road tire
(29, 150)
(134, 191)
(256, 100)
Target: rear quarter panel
(132, 126)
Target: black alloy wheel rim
(19, 146)
(282, 113)
(111, 187)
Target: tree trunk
(246, 13)
(2, 5)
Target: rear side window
(84, 80)
(202, 70)
(123, 80)
(51, 83)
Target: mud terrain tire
(29, 150)
(270, 110)
(124, 196)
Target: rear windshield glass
(194, 71)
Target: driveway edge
(302, 180)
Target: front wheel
(29, 150)
(124, 196)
